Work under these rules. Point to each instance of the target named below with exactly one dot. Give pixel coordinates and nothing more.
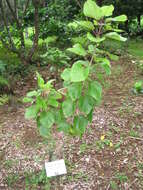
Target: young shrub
(71, 108)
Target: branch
(26, 6)
(19, 25)
(12, 11)
(15, 7)
(79, 4)
(36, 36)
(6, 26)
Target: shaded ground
(110, 155)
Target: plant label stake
(55, 168)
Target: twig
(136, 138)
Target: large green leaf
(46, 119)
(40, 80)
(92, 10)
(80, 124)
(95, 39)
(44, 131)
(105, 64)
(107, 10)
(41, 103)
(27, 100)
(90, 116)
(121, 18)
(52, 102)
(74, 90)
(66, 74)
(95, 90)
(78, 49)
(32, 93)
(115, 36)
(79, 72)
(31, 112)
(59, 116)
(113, 57)
(68, 107)
(64, 126)
(86, 24)
(86, 104)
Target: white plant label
(55, 168)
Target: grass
(135, 48)
(30, 180)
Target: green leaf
(66, 74)
(91, 49)
(92, 10)
(44, 131)
(107, 68)
(73, 25)
(138, 85)
(68, 108)
(32, 93)
(53, 102)
(113, 57)
(27, 100)
(80, 124)
(64, 126)
(40, 80)
(121, 18)
(31, 112)
(86, 104)
(74, 91)
(46, 119)
(105, 64)
(58, 114)
(115, 36)
(93, 39)
(90, 116)
(41, 103)
(95, 90)
(95, 22)
(78, 49)
(79, 72)
(107, 10)
(86, 24)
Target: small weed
(17, 143)
(113, 185)
(134, 133)
(83, 148)
(103, 142)
(78, 176)
(9, 163)
(121, 177)
(114, 128)
(118, 145)
(140, 166)
(32, 180)
(12, 179)
(138, 87)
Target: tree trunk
(139, 20)
(127, 26)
